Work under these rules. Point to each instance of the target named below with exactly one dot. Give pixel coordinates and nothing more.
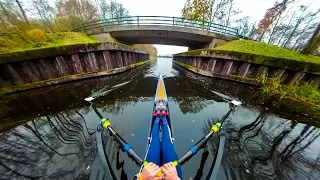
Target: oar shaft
(118, 138)
(193, 150)
(96, 110)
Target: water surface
(48, 133)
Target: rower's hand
(150, 171)
(170, 172)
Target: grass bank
(304, 92)
(262, 53)
(36, 38)
(268, 50)
(270, 55)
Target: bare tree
(44, 11)
(23, 13)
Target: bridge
(160, 30)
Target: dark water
(48, 133)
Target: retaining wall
(56, 65)
(241, 71)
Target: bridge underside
(162, 37)
(179, 36)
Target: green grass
(16, 43)
(305, 92)
(261, 53)
(264, 49)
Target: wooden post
(227, 67)
(244, 69)
(297, 77)
(107, 60)
(76, 63)
(93, 61)
(16, 77)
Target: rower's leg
(153, 154)
(168, 152)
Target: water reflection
(51, 147)
(264, 138)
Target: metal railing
(159, 21)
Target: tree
(45, 12)
(111, 10)
(270, 16)
(231, 12)
(23, 13)
(198, 10)
(213, 11)
(304, 16)
(313, 43)
(287, 27)
(244, 28)
(72, 13)
(218, 10)
(252, 31)
(150, 49)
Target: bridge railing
(160, 21)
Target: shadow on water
(48, 133)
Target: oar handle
(175, 163)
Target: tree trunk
(312, 42)
(301, 33)
(272, 32)
(284, 33)
(23, 13)
(299, 21)
(229, 13)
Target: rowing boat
(160, 105)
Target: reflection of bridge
(160, 30)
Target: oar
(105, 124)
(227, 98)
(214, 129)
(193, 150)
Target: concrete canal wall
(232, 68)
(42, 67)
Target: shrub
(38, 36)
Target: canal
(48, 133)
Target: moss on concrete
(60, 50)
(15, 48)
(261, 53)
(37, 38)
